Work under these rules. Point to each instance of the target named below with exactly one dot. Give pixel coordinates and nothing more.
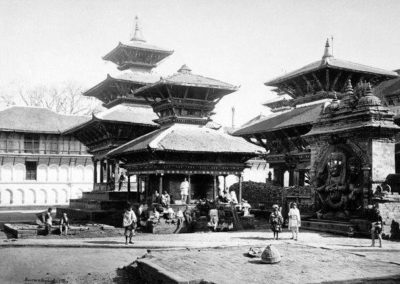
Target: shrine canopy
(136, 59)
(319, 79)
(185, 143)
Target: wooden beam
(318, 81)
(327, 79)
(298, 88)
(309, 85)
(336, 80)
(207, 94)
(186, 92)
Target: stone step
(342, 228)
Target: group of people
(47, 222)
(276, 220)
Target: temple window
(31, 170)
(31, 143)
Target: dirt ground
(66, 265)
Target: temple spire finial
(185, 69)
(327, 51)
(137, 36)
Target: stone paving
(299, 264)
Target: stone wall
(389, 207)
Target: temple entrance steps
(352, 227)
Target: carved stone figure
(339, 187)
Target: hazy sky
(244, 43)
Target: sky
(245, 43)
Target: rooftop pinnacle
(137, 36)
(327, 52)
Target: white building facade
(38, 166)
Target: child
(294, 220)
(276, 220)
(128, 222)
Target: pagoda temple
(127, 116)
(186, 145)
(303, 95)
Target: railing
(42, 151)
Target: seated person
(155, 216)
(165, 199)
(180, 217)
(188, 215)
(64, 224)
(245, 208)
(169, 213)
(213, 214)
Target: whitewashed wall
(55, 184)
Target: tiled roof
(188, 138)
(298, 116)
(37, 120)
(128, 77)
(134, 44)
(131, 113)
(332, 63)
(123, 113)
(190, 79)
(387, 88)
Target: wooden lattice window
(31, 170)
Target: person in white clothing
(294, 220)
(184, 190)
(129, 223)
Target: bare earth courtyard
(213, 257)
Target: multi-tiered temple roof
(136, 59)
(185, 144)
(304, 94)
(128, 116)
(319, 79)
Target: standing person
(376, 226)
(121, 180)
(64, 224)
(294, 220)
(184, 190)
(128, 222)
(276, 221)
(48, 221)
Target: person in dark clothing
(121, 181)
(276, 221)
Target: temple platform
(27, 231)
(352, 227)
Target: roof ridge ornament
(327, 51)
(185, 69)
(137, 36)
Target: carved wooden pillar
(224, 182)
(138, 188)
(240, 188)
(160, 186)
(190, 190)
(214, 187)
(101, 171)
(108, 165)
(129, 183)
(94, 172)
